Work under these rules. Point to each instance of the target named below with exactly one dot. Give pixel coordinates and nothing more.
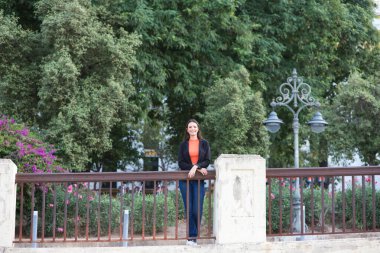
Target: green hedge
(276, 184)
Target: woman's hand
(192, 171)
(203, 171)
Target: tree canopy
(234, 115)
(354, 116)
(91, 74)
(72, 78)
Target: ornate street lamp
(273, 123)
(317, 123)
(297, 92)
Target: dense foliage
(95, 75)
(26, 148)
(234, 116)
(72, 78)
(347, 208)
(355, 109)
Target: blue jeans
(193, 204)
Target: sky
(376, 22)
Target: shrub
(26, 148)
(349, 216)
(349, 207)
(284, 184)
(275, 205)
(205, 216)
(81, 193)
(149, 212)
(181, 208)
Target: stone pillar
(8, 172)
(239, 200)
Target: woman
(194, 156)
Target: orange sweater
(194, 151)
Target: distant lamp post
(297, 92)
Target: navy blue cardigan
(204, 156)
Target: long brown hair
(187, 135)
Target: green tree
(81, 85)
(19, 74)
(354, 119)
(234, 115)
(75, 73)
(24, 10)
(322, 54)
(183, 44)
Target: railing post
(239, 200)
(125, 227)
(8, 172)
(35, 226)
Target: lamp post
(295, 95)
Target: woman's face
(192, 129)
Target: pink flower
(80, 196)
(272, 196)
(67, 202)
(60, 230)
(70, 189)
(51, 205)
(25, 132)
(368, 179)
(90, 198)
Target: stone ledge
(348, 245)
(240, 156)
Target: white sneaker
(191, 243)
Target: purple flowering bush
(26, 148)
